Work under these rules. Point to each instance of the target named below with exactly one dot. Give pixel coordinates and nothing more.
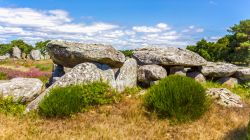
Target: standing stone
(83, 73)
(225, 97)
(218, 69)
(197, 76)
(28, 56)
(6, 56)
(127, 77)
(149, 73)
(70, 54)
(21, 89)
(24, 55)
(42, 57)
(243, 74)
(35, 55)
(228, 81)
(168, 56)
(16, 53)
(178, 70)
(46, 56)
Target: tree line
(23, 46)
(232, 48)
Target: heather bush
(32, 73)
(65, 101)
(176, 97)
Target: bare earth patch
(127, 120)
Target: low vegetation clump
(43, 67)
(65, 101)
(3, 76)
(127, 53)
(8, 107)
(178, 98)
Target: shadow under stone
(237, 134)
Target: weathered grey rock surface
(168, 56)
(24, 56)
(225, 97)
(70, 54)
(35, 55)
(82, 73)
(127, 75)
(197, 76)
(178, 70)
(218, 69)
(243, 74)
(16, 53)
(6, 56)
(21, 89)
(228, 81)
(149, 73)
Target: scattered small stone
(225, 97)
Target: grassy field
(127, 119)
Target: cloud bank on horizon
(34, 25)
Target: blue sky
(124, 24)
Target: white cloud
(193, 29)
(160, 27)
(145, 29)
(35, 25)
(163, 26)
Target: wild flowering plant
(32, 73)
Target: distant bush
(8, 107)
(5, 48)
(127, 53)
(65, 101)
(23, 46)
(42, 46)
(176, 97)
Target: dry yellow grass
(127, 120)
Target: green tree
(26, 48)
(5, 48)
(233, 48)
(240, 44)
(42, 46)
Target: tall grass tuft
(177, 97)
(65, 101)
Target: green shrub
(176, 97)
(76, 98)
(5, 48)
(8, 107)
(127, 53)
